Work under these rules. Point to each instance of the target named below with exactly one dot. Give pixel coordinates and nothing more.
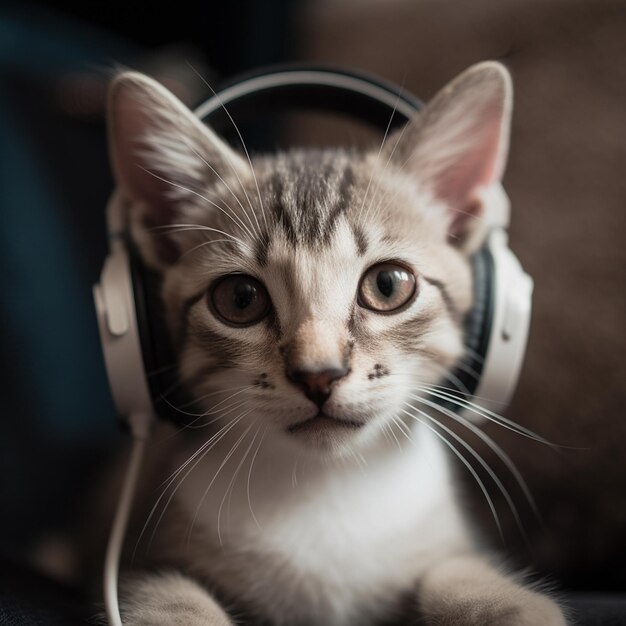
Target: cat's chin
(323, 421)
(325, 434)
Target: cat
(312, 297)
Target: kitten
(311, 300)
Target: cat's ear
(163, 159)
(458, 145)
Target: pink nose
(317, 384)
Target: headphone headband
(358, 95)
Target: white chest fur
(325, 543)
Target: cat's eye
(239, 300)
(386, 287)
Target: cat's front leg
(168, 599)
(468, 591)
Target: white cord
(116, 539)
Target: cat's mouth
(323, 421)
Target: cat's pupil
(243, 295)
(384, 282)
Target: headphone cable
(116, 538)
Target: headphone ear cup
(478, 323)
(144, 313)
(496, 332)
(120, 340)
(159, 357)
(506, 332)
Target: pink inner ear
(476, 163)
(475, 169)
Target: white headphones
(129, 315)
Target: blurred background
(566, 179)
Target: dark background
(57, 420)
(566, 179)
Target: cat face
(309, 292)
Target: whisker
(220, 414)
(197, 194)
(453, 379)
(398, 140)
(360, 458)
(214, 438)
(245, 149)
(402, 427)
(191, 425)
(197, 415)
(501, 455)
(256, 521)
(380, 149)
(231, 484)
(393, 434)
(488, 415)
(383, 427)
(219, 469)
(294, 477)
(202, 451)
(177, 384)
(462, 395)
(225, 431)
(467, 464)
(207, 243)
(214, 393)
(231, 191)
(238, 391)
(181, 228)
(482, 462)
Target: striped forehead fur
(304, 195)
(309, 191)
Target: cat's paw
(525, 608)
(169, 600)
(468, 591)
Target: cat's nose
(317, 384)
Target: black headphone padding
(159, 357)
(465, 378)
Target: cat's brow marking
(360, 239)
(454, 313)
(184, 316)
(339, 209)
(262, 249)
(388, 239)
(280, 212)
